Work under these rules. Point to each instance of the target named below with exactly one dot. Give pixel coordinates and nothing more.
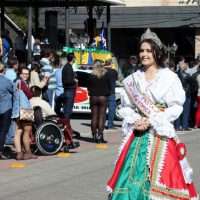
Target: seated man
(36, 100)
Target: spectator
(180, 61)
(36, 100)
(35, 76)
(130, 67)
(7, 45)
(182, 123)
(48, 71)
(172, 65)
(12, 69)
(194, 67)
(24, 128)
(6, 102)
(1, 49)
(112, 73)
(20, 51)
(197, 114)
(8, 38)
(59, 93)
(11, 73)
(69, 84)
(193, 71)
(99, 90)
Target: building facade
(175, 21)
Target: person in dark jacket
(99, 90)
(182, 123)
(69, 83)
(113, 75)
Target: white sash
(143, 103)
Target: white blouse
(167, 89)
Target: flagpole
(108, 28)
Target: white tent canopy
(114, 2)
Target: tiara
(148, 34)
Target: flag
(102, 36)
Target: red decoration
(81, 95)
(181, 150)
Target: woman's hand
(142, 124)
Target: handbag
(26, 113)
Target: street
(82, 175)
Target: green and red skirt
(148, 168)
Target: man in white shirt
(36, 100)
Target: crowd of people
(49, 82)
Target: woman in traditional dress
(151, 163)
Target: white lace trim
(150, 143)
(153, 197)
(124, 141)
(109, 189)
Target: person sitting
(36, 100)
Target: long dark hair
(158, 53)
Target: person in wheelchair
(49, 114)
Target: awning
(59, 3)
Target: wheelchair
(48, 133)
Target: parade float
(87, 56)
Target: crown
(148, 34)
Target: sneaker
(4, 157)
(187, 129)
(74, 145)
(179, 129)
(28, 156)
(20, 156)
(103, 141)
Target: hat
(148, 34)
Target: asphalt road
(82, 175)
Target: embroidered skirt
(150, 170)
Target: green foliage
(19, 16)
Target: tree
(19, 16)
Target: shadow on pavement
(78, 136)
